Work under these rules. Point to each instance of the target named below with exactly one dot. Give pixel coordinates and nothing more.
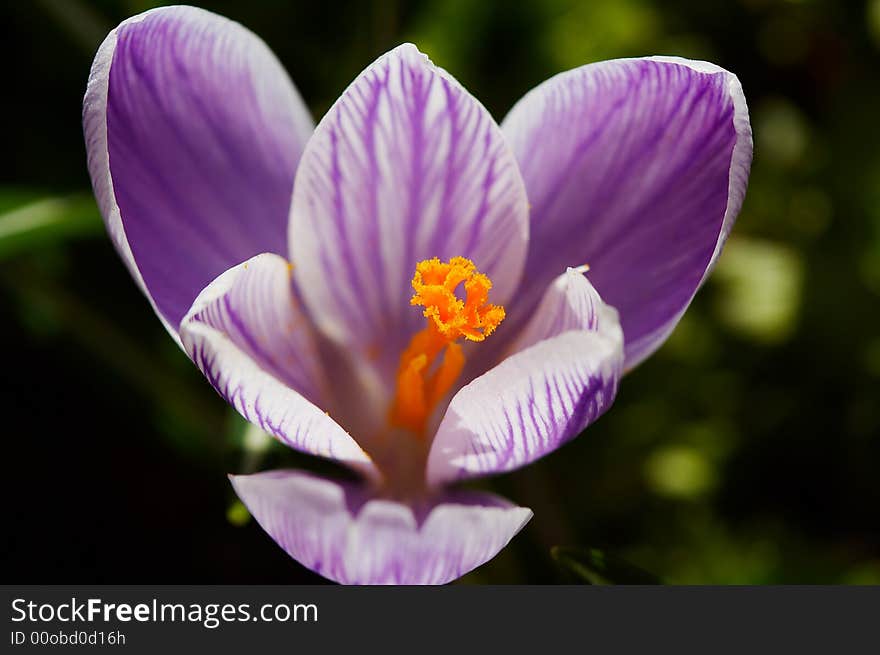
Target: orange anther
(422, 380)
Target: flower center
(423, 379)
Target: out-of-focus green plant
(761, 286)
(596, 566)
(29, 220)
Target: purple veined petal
(637, 167)
(343, 532)
(193, 132)
(569, 303)
(254, 305)
(406, 166)
(248, 336)
(530, 404)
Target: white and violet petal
(345, 533)
(527, 406)
(193, 131)
(406, 166)
(637, 167)
(248, 335)
(570, 302)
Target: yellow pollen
(422, 379)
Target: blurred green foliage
(30, 221)
(746, 451)
(596, 567)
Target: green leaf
(29, 221)
(595, 566)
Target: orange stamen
(422, 380)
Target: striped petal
(637, 167)
(248, 336)
(406, 166)
(569, 303)
(193, 132)
(527, 406)
(343, 532)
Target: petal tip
(525, 515)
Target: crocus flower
(403, 288)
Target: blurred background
(747, 450)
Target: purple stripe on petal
(406, 166)
(569, 303)
(253, 304)
(193, 132)
(246, 333)
(343, 532)
(527, 406)
(637, 168)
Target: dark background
(746, 451)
